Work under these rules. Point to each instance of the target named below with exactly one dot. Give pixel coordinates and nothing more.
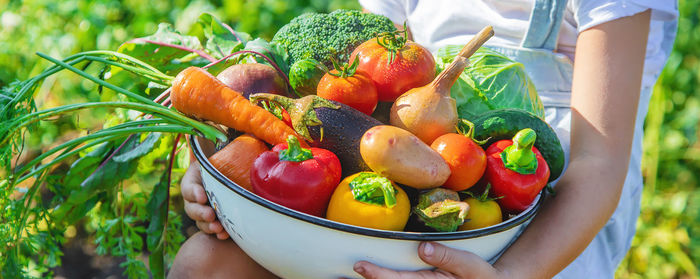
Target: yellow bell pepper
(369, 200)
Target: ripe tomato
(395, 65)
(482, 213)
(467, 160)
(356, 90)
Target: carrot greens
(31, 224)
(86, 180)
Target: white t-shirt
(437, 23)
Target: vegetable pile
(378, 141)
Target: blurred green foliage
(667, 244)
(61, 28)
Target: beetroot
(253, 78)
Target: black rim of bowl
(419, 236)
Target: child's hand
(449, 263)
(196, 205)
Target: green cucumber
(505, 123)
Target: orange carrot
(197, 93)
(235, 160)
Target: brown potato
(402, 157)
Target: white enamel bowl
(293, 245)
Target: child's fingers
(222, 235)
(211, 227)
(371, 271)
(206, 227)
(452, 261)
(216, 227)
(191, 185)
(200, 213)
(196, 206)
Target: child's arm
(605, 95)
(607, 79)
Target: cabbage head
(491, 81)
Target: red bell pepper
(516, 170)
(299, 178)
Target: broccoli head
(333, 35)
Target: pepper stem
(294, 151)
(519, 157)
(369, 187)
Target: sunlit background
(667, 244)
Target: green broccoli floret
(322, 36)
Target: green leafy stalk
(43, 244)
(122, 57)
(144, 100)
(142, 68)
(75, 142)
(97, 80)
(161, 78)
(8, 131)
(103, 133)
(157, 231)
(17, 100)
(24, 88)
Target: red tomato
(412, 66)
(356, 91)
(467, 160)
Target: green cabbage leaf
(491, 81)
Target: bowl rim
(323, 222)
